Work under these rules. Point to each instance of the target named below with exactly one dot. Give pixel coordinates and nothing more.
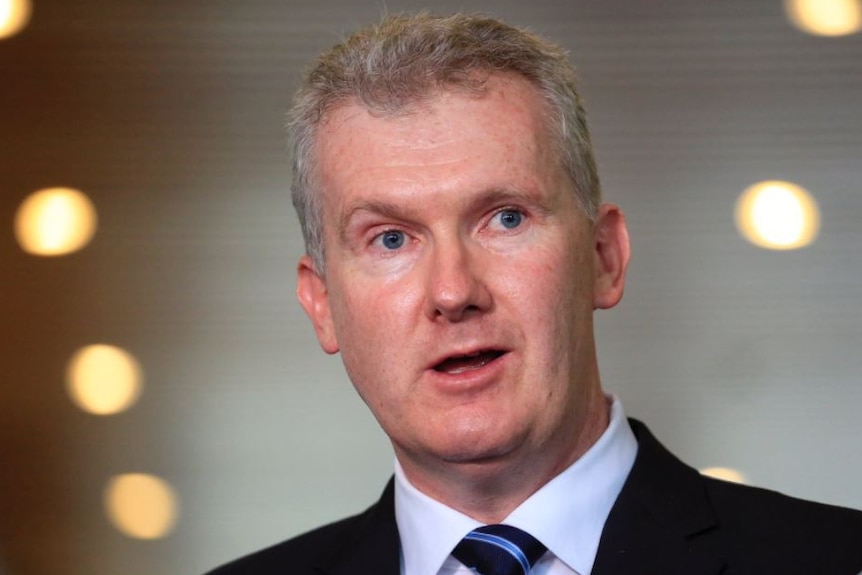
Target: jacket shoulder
(669, 505)
(367, 542)
(300, 552)
(752, 521)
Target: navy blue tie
(499, 550)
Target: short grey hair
(405, 60)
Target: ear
(313, 295)
(612, 253)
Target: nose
(456, 283)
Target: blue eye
(392, 239)
(511, 219)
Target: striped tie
(499, 550)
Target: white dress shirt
(567, 514)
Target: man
(457, 248)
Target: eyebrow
(381, 207)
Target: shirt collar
(567, 514)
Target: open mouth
(461, 363)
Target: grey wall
(169, 115)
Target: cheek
(550, 294)
(374, 324)
(540, 283)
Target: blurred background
(164, 406)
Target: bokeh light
(103, 379)
(141, 506)
(724, 473)
(825, 17)
(777, 215)
(55, 221)
(14, 16)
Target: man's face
(461, 275)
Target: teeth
(472, 366)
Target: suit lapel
(661, 508)
(369, 545)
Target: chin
(480, 446)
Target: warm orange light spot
(825, 17)
(141, 506)
(55, 221)
(725, 473)
(103, 379)
(14, 16)
(777, 215)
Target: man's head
(392, 68)
(462, 267)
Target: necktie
(499, 550)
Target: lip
(474, 376)
(465, 352)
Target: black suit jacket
(668, 520)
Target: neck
(489, 490)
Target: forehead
(511, 94)
(452, 138)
